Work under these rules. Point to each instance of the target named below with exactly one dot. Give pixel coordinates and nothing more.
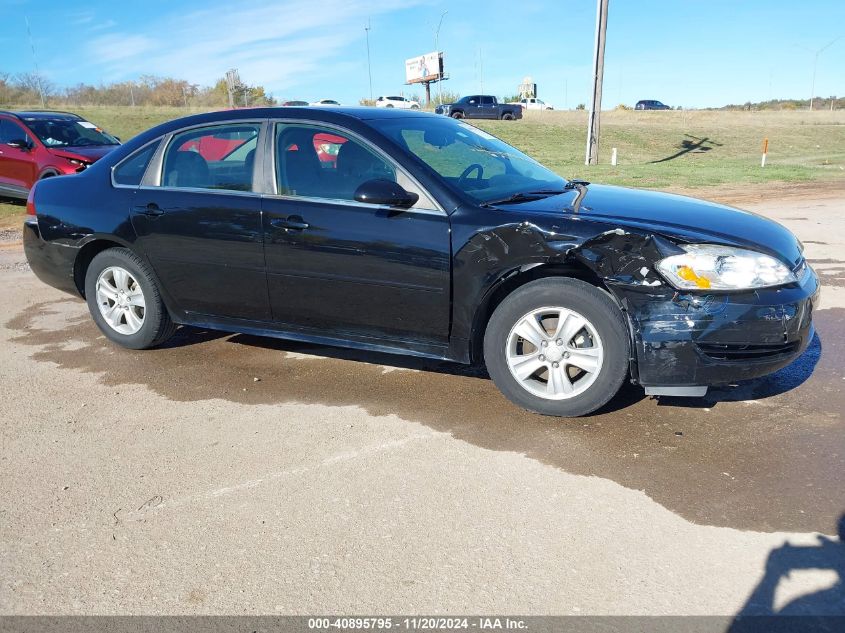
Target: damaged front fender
(510, 254)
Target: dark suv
(651, 104)
(40, 144)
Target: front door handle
(151, 209)
(291, 223)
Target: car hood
(680, 217)
(89, 154)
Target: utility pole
(593, 123)
(437, 50)
(369, 67)
(35, 61)
(233, 82)
(815, 65)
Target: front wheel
(557, 346)
(124, 300)
(457, 115)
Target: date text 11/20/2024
(421, 623)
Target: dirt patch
(742, 194)
(10, 236)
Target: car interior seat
(300, 166)
(356, 165)
(187, 169)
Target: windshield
(69, 133)
(471, 160)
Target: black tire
(457, 115)
(389, 105)
(157, 325)
(587, 300)
(507, 116)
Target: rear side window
(487, 100)
(11, 131)
(218, 157)
(131, 171)
(5, 131)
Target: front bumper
(694, 339)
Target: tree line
(148, 90)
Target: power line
(815, 66)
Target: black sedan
(405, 232)
(651, 104)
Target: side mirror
(20, 143)
(386, 192)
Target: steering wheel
(474, 167)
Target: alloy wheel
(121, 300)
(554, 353)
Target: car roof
(345, 116)
(362, 113)
(54, 115)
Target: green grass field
(678, 150)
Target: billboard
(428, 67)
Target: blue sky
(693, 53)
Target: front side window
(218, 157)
(317, 162)
(469, 159)
(131, 171)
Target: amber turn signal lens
(687, 273)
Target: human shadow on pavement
(823, 610)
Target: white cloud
(271, 43)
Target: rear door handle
(151, 209)
(292, 223)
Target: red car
(40, 144)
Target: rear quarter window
(131, 170)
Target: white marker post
(765, 152)
(613, 157)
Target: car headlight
(78, 163)
(712, 267)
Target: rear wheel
(124, 300)
(557, 346)
(507, 116)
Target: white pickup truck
(533, 103)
